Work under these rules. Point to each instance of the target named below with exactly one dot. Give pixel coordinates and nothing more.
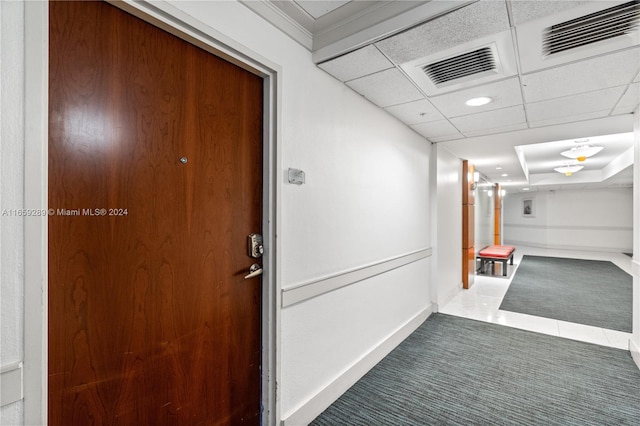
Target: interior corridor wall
(586, 219)
(11, 198)
(634, 344)
(447, 260)
(366, 200)
(484, 215)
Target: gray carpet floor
(456, 371)
(589, 292)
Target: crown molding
(274, 14)
(376, 23)
(350, 26)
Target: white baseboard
(635, 352)
(567, 247)
(447, 298)
(327, 396)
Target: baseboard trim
(635, 352)
(11, 389)
(301, 292)
(567, 247)
(328, 395)
(570, 227)
(446, 299)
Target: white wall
(11, 197)
(634, 344)
(590, 219)
(484, 216)
(447, 259)
(366, 199)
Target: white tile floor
(482, 300)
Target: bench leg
(504, 268)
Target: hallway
(482, 301)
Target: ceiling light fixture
(482, 100)
(581, 153)
(504, 175)
(568, 170)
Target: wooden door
(155, 176)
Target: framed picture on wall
(528, 207)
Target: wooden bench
(492, 254)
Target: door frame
(178, 23)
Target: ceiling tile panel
(469, 23)
(505, 93)
(584, 103)
(445, 138)
(386, 88)
(435, 129)
(584, 76)
(490, 119)
(361, 62)
(525, 11)
(631, 97)
(624, 110)
(421, 111)
(569, 118)
(492, 131)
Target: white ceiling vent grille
(465, 65)
(482, 61)
(598, 26)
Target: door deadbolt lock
(255, 248)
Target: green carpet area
(589, 292)
(458, 371)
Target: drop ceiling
(386, 51)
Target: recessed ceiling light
(525, 189)
(504, 175)
(482, 100)
(498, 168)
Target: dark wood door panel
(150, 319)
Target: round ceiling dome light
(581, 153)
(482, 100)
(568, 170)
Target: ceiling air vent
(460, 66)
(481, 61)
(594, 27)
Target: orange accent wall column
(497, 217)
(468, 226)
